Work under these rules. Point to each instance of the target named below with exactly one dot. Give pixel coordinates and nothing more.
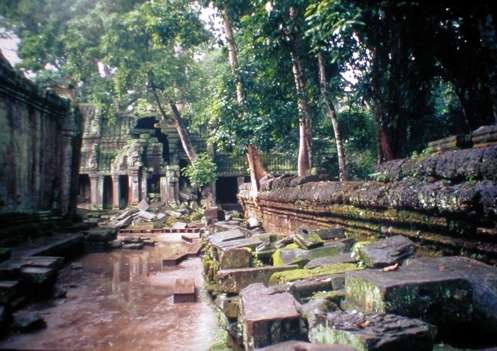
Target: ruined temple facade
(130, 159)
(39, 147)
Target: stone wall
(40, 139)
(446, 202)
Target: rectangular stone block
(174, 260)
(227, 235)
(438, 297)
(8, 290)
(234, 280)
(372, 331)
(267, 318)
(184, 290)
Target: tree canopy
(395, 74)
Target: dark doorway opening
(84, 189)
(123, 190)
(107, 193)
(226, 190)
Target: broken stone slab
(125, 222)
(253, 222)
(179, 225)
(143, 205)
(149, 216)
(38, 275)
(26, 322)
(483, 279)
(372, 331)
(309, 310)
(43, 261)
(267, 318)
(307, 238)
(303, 274)
(329, 260)
(235, 257)
(427, 293)
(213, 215)
(234, 280)
(289, 255)
(251, 243)
(331, 233)
(8, 290)
(387, 252)
(295, 345)
(227, 235)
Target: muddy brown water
(123, 300)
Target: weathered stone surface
(331, 233)
(372, 331)
(387, 252)
(213, 215)
(290, 255)
(304, 346)
(133, 246)
(229, 305)
(235, 258)
(234, 280)
(228, 235)
(298, 274)
(483, 279)
(25, 322)
(251, 243)
(267, 318)
(143, 205)
(434, 296)
(179, 225)
(38, 275)
(149, 216)
(8, 290)
(328, 260)
(306, 238)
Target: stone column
(116, 191)
(169, 186)
(144, 181)
(94, 194)
(134, 186)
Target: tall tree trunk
(305, 127)
(334, 121)
(257, 170)
(183, 134)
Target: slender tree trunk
(183, 134)
(305, 128)
(334, 121)
(257, 170)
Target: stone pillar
(134, 186)
(144, 181)
(169, 186)
(94, 193)
(116, 191)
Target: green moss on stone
(298, 274)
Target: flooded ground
(123, 300)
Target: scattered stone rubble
(308, 291)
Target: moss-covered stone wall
(40, 139)
(446, 203)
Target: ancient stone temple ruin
(39, 147)
(128, 159)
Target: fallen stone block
(306, 238)
(267, 318)
(8, 290)
(294, 345)
(329, 260)
(229, 305)
(227, 235)
(331, 233)
(372, 331)
(184, 290)
(236, 257)
(234, 280)
(434, 296)
(387, 252)
(289, 255)
(26, 322)
(302, 274)
(179, 225)
(483, 279)
(38, 275)
(134, 246)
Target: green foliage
(202, 171)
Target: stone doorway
(84, 189)
(107, 193)
(123, 191)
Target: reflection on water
(122, 300)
